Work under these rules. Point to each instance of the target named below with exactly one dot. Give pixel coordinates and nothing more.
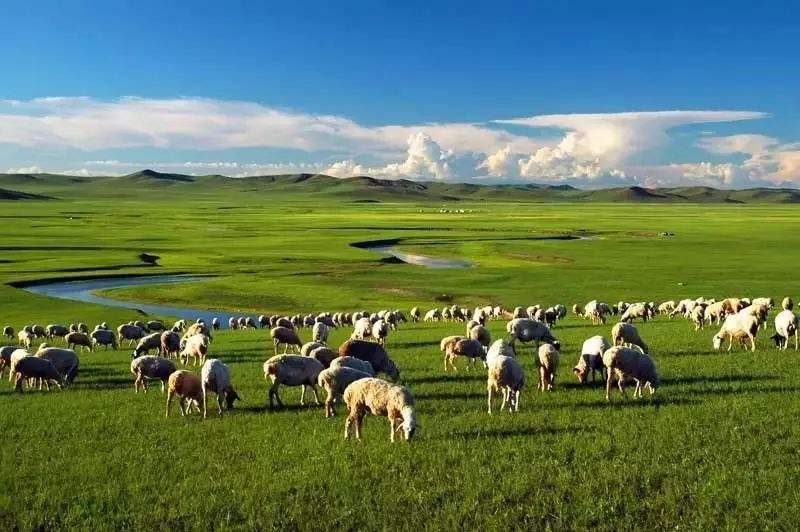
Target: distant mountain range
(369, 189)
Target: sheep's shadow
(698, 379)
(453, 377)
(450, 395)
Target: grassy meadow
(716, 447)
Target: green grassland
(716, 447)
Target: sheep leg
(542, 378)
(347, 424)
(795, 340)
(516, 400)
(205, 403)
(181, 405)
(169, 401)
(219, 404)
(506, 391)
(329, 404)
(302, 394)
(608, 386)
(489, 397)
(391, 429)
(316, 397)
(18, 382)
(621, 385)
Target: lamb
(189, 389)
(627, 334)
(196, 347)
(287, 337)
(469, 348)
(320, 332)
(31, 367)
(81, 339)
(149, 367)
(355, 363)
(334, 380)
(64, 360)
(372, 353)
(148, 343)
(626, 363)
(129, 332)
(591, 359)
(786, 304)
(737, 326)
(292, 370)
(506, 374)
(548, 366)
(324, 354)
(380, 330)
(216, 377)
(104, 338)
(9, 332)
(380, 398)
(526, 330)
(785, 328)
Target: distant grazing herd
(349, 373)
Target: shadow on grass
(716, 379)
(452, 377)
(518, 431)
(450, 395)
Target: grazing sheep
(292, 370)
(362, 329)
(216, 378)
(286, 336)
(155, 326)
(733, 305)
(758, 311)
(40, 332)
(189, 389)
(308, 347)
(786, 304)
(324, 354)
(666, 308)
(482, 335)
(9, 332)
(737, 326)
(372, 353)
(170, 344)
(232, 323)
(627, 334)
(334, 381)
(179, 326)
(626, 363)
(469, 348)
(215, 324)
(198, 328)
(596, 311)
(41, 369)
(415, 314)
(433, 314)
(319, 333)
(764, 301)
(447, 340)
(26, 338)
(786, 327)
(380, 398)
(53, 331)
(5, 357)
(64, 360)
(263, 321)
(548, 366)
(81, 339)
(591, 359)
(196, 347)
(13, 358)
(148, 367)
(577, 310)
(698, 316)
(148, 343)
(104, 338)
(526, 330)
(714, 313)
(505, 375)
(637, 310)
(380, 331)
(129, 332)
(353, 362)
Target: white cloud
(749, 144)
(26, 170)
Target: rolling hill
(364, 188)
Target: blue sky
(407, 89)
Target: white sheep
(286, 336)
(196, 346)
(380, 331)
(41, 369)
(527, 330)
(335, 380)
(380, 398)
(353, 362)
(739, 326)
(319, 333)
(147, 367)
(591, 359)
(292, 370)
(362, 329)
(469, 348)
(548, 366)
(216, 378)
(625, 363)
(785, 328)
(64, 360)
(627, 334)
(698, 316)
(505, 375)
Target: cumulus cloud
(749, 144)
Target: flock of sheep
(349, 372)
